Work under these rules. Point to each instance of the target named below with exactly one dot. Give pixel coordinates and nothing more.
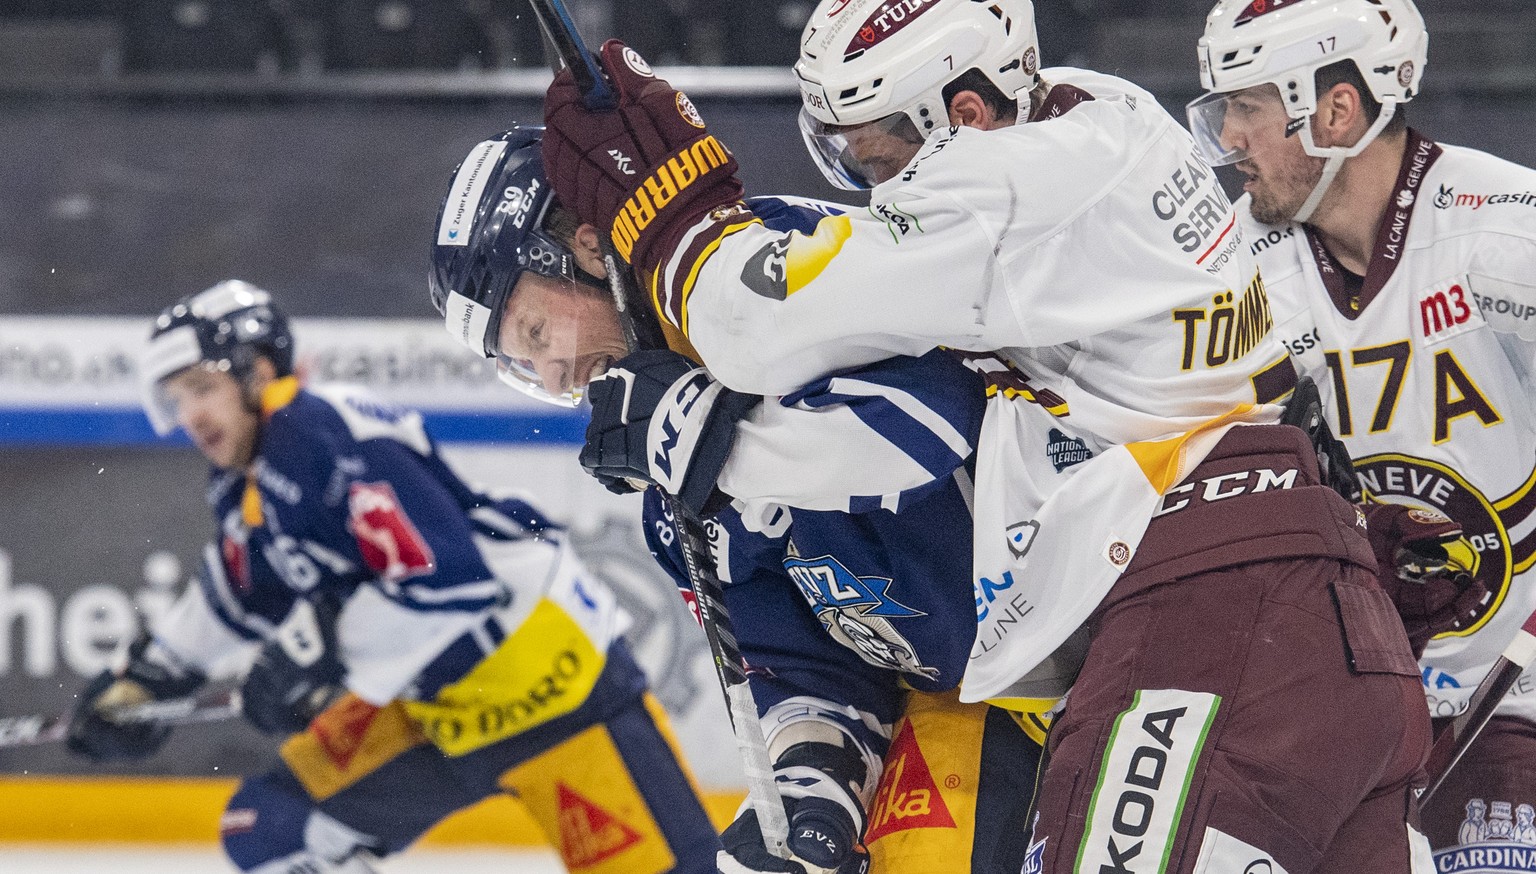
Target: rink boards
(101, 523)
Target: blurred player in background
(425, 645)
(841, 611)
(1402, 274)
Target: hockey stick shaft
(23, 731)
(1454, 741)
(642, 330)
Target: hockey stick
(1454, 741)
(642, 330)
(25, 731)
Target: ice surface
(138, 859)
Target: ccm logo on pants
(1136, 806)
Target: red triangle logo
(907, 797)
(340, 730)
(588, 833)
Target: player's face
(1280, 173)
(563, 334)
(211, 407)
(880, 150)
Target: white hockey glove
(820, 785)
(657, 417)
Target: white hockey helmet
(866, 60)
(1284, 43)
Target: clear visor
(1218, 122)
(860, 156)
(554, 337)
(162, 397)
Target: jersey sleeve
(912, 422)
(770, 310)
(211, 623)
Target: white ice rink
(138, 859)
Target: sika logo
(588, 833)
(907, 797)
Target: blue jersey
(455, 602)
(852, 606)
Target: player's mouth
(208, 441)
(1250, 174)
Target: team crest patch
(1119, 553)
(857, 612)
(907, 797)
(1427, 517)
(1405, 74)
(689, 112)
(588, 833)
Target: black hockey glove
(817, 783)
(149, 676)
(1305, 411)
(657, 417)
(297, 673)
(1427, 568)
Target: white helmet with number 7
(888, 61)
(1283, 43)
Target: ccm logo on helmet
(662, 187)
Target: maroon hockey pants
(1249, 720)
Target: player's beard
(1281, 191)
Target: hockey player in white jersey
(1402, 274)
(1063, 219)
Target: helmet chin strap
(1336, 157)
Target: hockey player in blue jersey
(839, 614)
(421, 644)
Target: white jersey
(1094, 251)
(1427, 371)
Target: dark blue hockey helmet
(224, 327)
(491, 231)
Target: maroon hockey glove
(645, 170)
(1426, 567)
